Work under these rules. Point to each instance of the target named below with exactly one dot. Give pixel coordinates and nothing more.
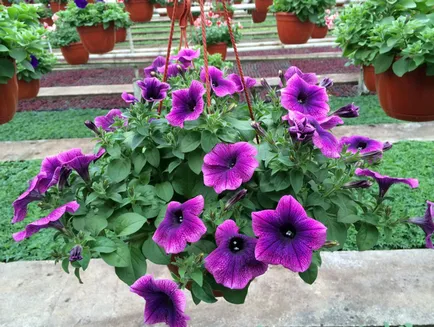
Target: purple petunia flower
(287, 236)
(426, 223)
(227, 166)
(348, 111)
(172, 70)
(76, 253)
(77, 160)
(34, 61)
(310, 78)
(50, 221)
(153, 90)
(129, 98)
(250, 82)
(158, 62)
(30, 195)
(164, 301)
(81, 3)
(180, 225)
(300, 96)
(361, 144)
(385, 182)
(186, 56)
(219, 84)
(187, 104)
(326, 82)
(106, 122)
(233, 263)
(301, 130)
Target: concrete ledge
(353, 289)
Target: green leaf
(197, 276)
(296, 178)
(7, 68)
(139, 161)
(18, 54)
(236, 296)
(208, 140)
(195, 161)
(120, 258)
(103, 245)
(172, 166)
(203, 293)
(84, 263)
(164, 191)
(119, 169)
(136, 269)
(128, 223)
(280, 182)
(114, 150)
(185, 181)
(153, 156)
(202, 246)
(400, 67)
(408, 4)
(77, 274)
(367, 237)
(383, 62)
(154, 253)
(309, 276)
(65, 265)
(190, 142)
(3, 48)
(91, 222)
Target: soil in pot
(56, 6)
(258, 17)
(369, 78)
(121, 35)
(75, 54)
(140, 10)
(319, 32)
(221, 48)
(262, 5)
(28, 90)
(8, 100)
(292, 30)
(179, 10)
(410, 97)
(48, 21)
(96, 39)
(158, 6)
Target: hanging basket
(220, 47)
(8, 100)
(57, 6)
(262, 5)
(75, 54)
(121, 35)
(319, 32)
(292, 30)
(28, 90)
(140, 10)
(258, 17)
(179, 9)
(369, 78)
(96, 39)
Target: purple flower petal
(361, 144)
(287, 236)
(46, 222)
(106, 122)
(236, 79)
(348, 111)
(233, 263)
(172, 70)
(310, 78)
(186, 56)
(187, 104)
(180, 225)
(129, 98)
(20, 204)
(330, 122)
(426, 223)
(326, 142)
(153, 90)
(164, 301)
(219, 84)
(158, 62)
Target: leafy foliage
(311, 10)
(44, 12)
(28, 72)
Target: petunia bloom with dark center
(106, 122)
(34, 61)
(287, 236)
(186, 56)
(50, 221)
(426, 223)
(308, 99)
(250, 82)
(164, 301)
(81, 3)
(233, 263)
(361, 144)
(180, 225)
(172, 70)
(348, 111)
(220, 85)
(153, 68)
(187, 104)
(385, 182)
(153, 90)
(129, 98)
(309, 78)
(227, 166)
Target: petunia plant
(216, 196)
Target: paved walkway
(353, 289)
(26, 150)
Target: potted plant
(219, 10)
(405, 66)
(296, 19)
(29, 76)
(95, 23)
(45, 15)
(213, 194)
(122, 23)
(140, 10)
(20, 34)
(217, 34)
(261, 6)
(158, 4)
(170, 7)
(58, 5)
(258, 17)
(324, 24)
(66, 37)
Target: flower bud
(63, 177)
(241, 194)
(258, 128)
(348, 111)
(153, 74)
(92, 127)
(330, 244)
(387, 146)
(181, 71)
(265, 85)
(326, 83)
(372, 156)
(282, 78)
(357, 184)
(75, 253)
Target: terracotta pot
(222, 13)
(410, 97)
(369, 78)
(158, 6)
(6, 4)
(179, 9)
(49, 21)
(258, 17)
(56, 6)
(221, 48)
(319, 32)
(140, 10)
(96, 39)
(28, 90)
(291, 30)
(121, 35)
(237, 2)
(174, 269)
(75, 54)
(262, 5)
(8, 100)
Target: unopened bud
(330, 244)
(387, 146)
(282, 78)
(265, 85)
(75, 253)
(181, 71)
(348, 111)
(258, 128)
(326, 82)
(241, 194)
(357, 184)
(92, 127)
(153, 74)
